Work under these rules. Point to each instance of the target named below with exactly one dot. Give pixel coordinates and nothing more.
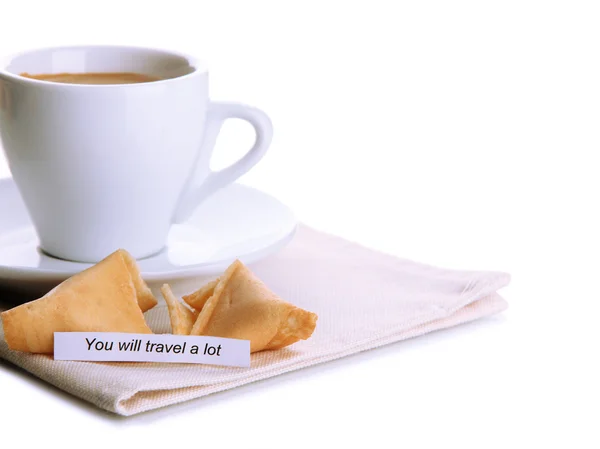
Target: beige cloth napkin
(364, 299)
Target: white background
(462, 134)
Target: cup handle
(217, 113)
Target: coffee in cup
(94, 78)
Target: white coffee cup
(102, 167)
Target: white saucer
(236, 222)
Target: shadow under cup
(102, 167)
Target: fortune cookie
(239, 305)
(107, 297)
(182, 317)
(197, 299)
(145, 298)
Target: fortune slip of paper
(126, 347)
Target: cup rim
(200, 67)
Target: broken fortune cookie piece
(181, 316)
(102, 298)
(241, 306)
